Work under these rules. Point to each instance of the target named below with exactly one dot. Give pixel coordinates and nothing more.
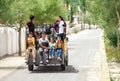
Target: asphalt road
(84, 62)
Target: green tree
(48, 10)
(4, 11)
(18, 11)
(106, 14)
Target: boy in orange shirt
(59, 48)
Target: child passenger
(59, 48)
(52, 45)
(31, 46)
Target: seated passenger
(59, 48)
(37, 40)
(31, 46)
(44, 45)
(52, 45)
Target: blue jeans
(59, 52)
(51, 51)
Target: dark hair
(37, 33)
(31, 33)
(58, 36)
(32, 17)
(61, 18)
(43, 32)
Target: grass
(75, 30)
(111, 79)
(113, 54)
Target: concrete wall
(9, 41)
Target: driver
(44, 46)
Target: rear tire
(66, 62)
(66, 59)
(30, 67)
(63, 67)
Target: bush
(75, 30)
(112, 37)
(113, 54)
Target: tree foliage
(45, 11)
(49, 10)
(4, 11)
(106, 14)
(18, 11)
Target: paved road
(84, 62)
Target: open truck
(52, 62)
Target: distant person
(56, 26)
(31, 46)
(37, 40)
(62, 27)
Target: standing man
(30, 25)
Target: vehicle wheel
(36, 65)
(66, 62)
(30, 67)
(66, 59)
(63, 67)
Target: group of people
(48, 45)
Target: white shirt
(61, 27)
(42, 41)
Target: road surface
(84, 62)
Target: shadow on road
(54, 69)
(12, 67)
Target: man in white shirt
(44, 46)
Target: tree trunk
(20, 53)
(118, 16)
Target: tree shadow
(54, 69)
(12, 67)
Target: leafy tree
(48, 10)
(17, 12)
(4, 11)
(107, 14)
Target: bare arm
(42, 46)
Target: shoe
(52, 57)
(49, 57)
(26, 61)
(33, 60)
(46, 56)
(47, 61)
(59, 58)
(41, 62)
